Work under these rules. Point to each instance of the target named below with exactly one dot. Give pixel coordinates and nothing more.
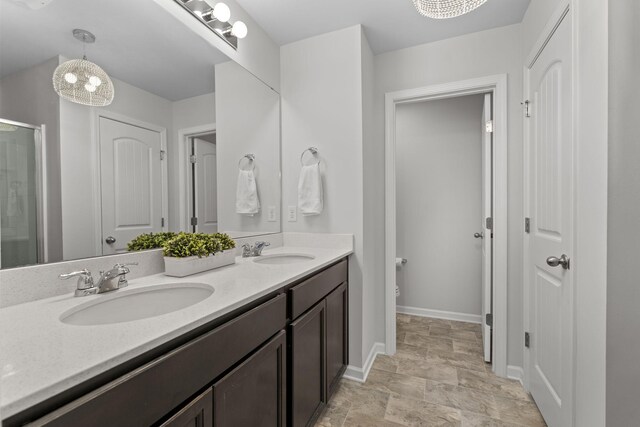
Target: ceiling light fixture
(82, 81)
(444, 9)
(217, 18)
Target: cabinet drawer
(148, 393)
(308, 293)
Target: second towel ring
(250, 158)
(314, 153)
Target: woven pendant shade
(83, 82)
(443, 9)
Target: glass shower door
(18, 194)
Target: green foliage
(197, 244)
(149, 241)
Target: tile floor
(436, 378)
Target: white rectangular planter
(181, 267)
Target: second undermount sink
(136, 304)
(283, 258)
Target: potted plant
(191, 253)
(150, 241)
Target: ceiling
(388, 24)
(137, 42)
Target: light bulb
(239, 30)
(71, 78)
(90, 88)
(95, 81)
(221, 12)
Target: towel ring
(250, 158)
(314, 152)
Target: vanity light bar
(216, 19)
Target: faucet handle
(85, 279)
(81, 275)
(124, 266)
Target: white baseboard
(360, 374)
(515, 373)
(438, 314)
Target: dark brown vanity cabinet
(318, 342)
(254, 393)
(271, 363)
(308, 379)
(197, 413)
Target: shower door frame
(41, 188)
(497, 86)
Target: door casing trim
(497, 86)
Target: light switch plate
(271, 214)
(292, 214)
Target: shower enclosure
(21, 194)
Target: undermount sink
(136, 304)
(283, 258)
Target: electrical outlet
(292, 214)
(271, 214)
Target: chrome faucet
(255, 250)
(106, 281)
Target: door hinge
(163, 154)
(527, 340)
(489, 126)
(194, 221)
(489, 223)
(527, 112)
(527, 225)
(193, 159)
(162, 222)
(489, 319)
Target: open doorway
(203, 183)
(480, 225)
(443, 211)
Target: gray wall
(439, 162)
(623, 278)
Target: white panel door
(206, 186)
(487, 242)
(131, 183)
(551, 229)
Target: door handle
(110, 240)
(478, 235)
(564, 261)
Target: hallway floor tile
(436, 378)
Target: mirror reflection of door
(204, 184)
(131, 183)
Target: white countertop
(40, 356)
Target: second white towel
(247, 201)
(310, 197)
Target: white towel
(310, 190)
(247, 201)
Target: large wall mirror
(190, 142)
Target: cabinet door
(198, 413)
(308, 379)
(337, 303)
(254, 393)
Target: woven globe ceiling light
(82, 81)
(444, 9)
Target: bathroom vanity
(265, 348)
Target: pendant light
(81, 81)
(443, 9)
